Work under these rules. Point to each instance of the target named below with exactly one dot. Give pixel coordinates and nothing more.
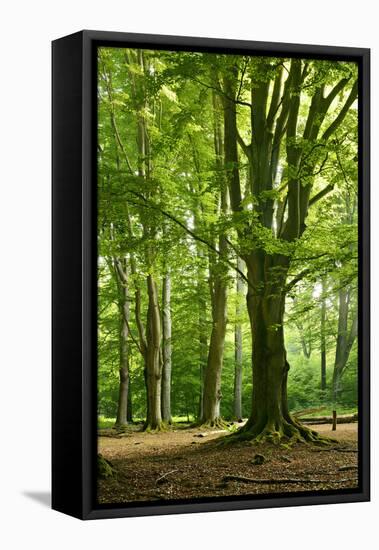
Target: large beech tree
(291, 136)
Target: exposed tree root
(120, 428)
(158, 427)
(280, 481)
(285, 432)
(216, 423)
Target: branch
(132, 337)
(321, 194)
(247, 61)
(221, 91)
(335, 91)
(275, 102)
(245, 148)
(277, 481)
(113, 120)
(298, 278)
(339, 119)
(171, 217)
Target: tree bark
(212, 380)
(270, 418)
(129, 412)
(345, 339)
(323, 339)
(166, 349)
(121, 274)
(237, 406)
(153, 363)
(218, 290)
(203, 348)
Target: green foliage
(161, 211)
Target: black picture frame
(74, 272)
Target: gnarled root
(156, 427)
(218, 423)
(286, 431)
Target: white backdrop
(27, 29)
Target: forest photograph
(227, 275)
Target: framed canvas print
(210, 274)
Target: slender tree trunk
(121, 274)
(212, 379)
(153, 362)
(166, 349)
(129, 412)
(345, 340)
(323, 340)
(237, 406)
(201, 287)
(218, 290)
(203, 350)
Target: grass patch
(104, 422)
(327, 410)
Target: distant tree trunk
(166, 349)
(307, 348)
(345, 339)
(203, 347)
(121, 273)
(306, 343)
(323, 339)
(237, 406)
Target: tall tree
(121, 273)
(238, 348)
(346, 335)
(277, 124)
(166, 349)
(323, 336)
(218, 283)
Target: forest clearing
(227, 274)
(188, 463)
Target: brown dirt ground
(180, 464)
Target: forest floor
(188, 463)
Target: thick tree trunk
(153, 359)
(237, 405)
(166, 349)
(270, 419)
